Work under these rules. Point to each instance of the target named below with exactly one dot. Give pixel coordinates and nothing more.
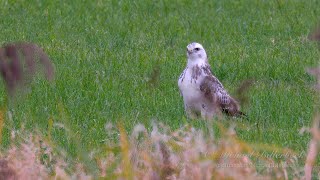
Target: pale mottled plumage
(203, 94)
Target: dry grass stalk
(186, 153)
(242, 90)
(315, 35)
(313, 149)
(20, 61)
(32, 158)
(1, 123)
(6, 172)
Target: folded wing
(214, 91)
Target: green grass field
(119, 61)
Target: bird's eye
(197, 49)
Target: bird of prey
(203, 94)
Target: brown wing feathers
(214, 91)
(232, 109)
(207, 88)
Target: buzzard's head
(196, 52)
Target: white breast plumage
(202, 92)
(189, 86)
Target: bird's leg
(190, 112)
(205, 114)
(208, 111)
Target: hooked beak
(189, 51)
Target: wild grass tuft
(161, 153)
